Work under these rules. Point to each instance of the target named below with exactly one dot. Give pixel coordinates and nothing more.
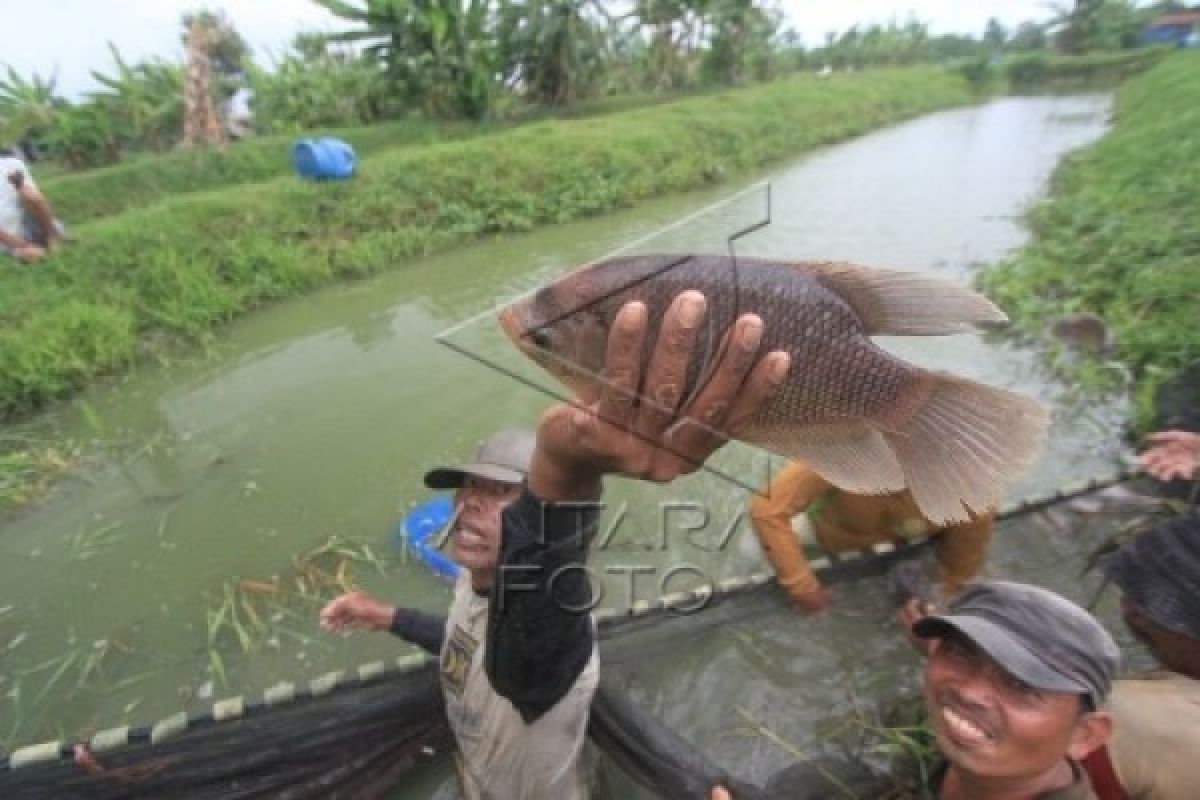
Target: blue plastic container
(324, 159)
(418, 532)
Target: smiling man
(1015, 686)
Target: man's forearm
(426, 631)
(540, 633)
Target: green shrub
(186, 264)
(1120, 236)
(148, 179)
(1036, 71)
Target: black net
(739, 691)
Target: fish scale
(864, 419)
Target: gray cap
(1043, 639)
(503, 457)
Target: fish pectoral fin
(852, 455)
(905, 303)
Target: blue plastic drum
(324, 159)
(419, 530)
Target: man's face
(476, 532)
(990, 724)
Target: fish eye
(540, 338)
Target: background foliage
(1120, 236)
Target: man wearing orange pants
(841, 521)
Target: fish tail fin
(907, 303)
(965, 444)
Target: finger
(1167, 437)
(622, 365)
(662, 388)
(767, 378)
(1180, 470)
(1149, 459)
(703, 429)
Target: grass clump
(190, 263)
(144, 181)
(1046, 71)
(1120, 235)
(80, 197)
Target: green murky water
(220, 481)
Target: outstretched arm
(539, 633)
(358, 610)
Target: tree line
(479, 59)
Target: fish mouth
(512, 327)
(531, 341)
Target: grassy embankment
(1041, 72)
(149, 179)
(1120, 234)
(191, 262)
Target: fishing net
(718, 685)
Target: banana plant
(83, 136)
(441, 54)
(27, 107)
(145, 101)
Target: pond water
(224, 494)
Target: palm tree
(1089, 25)
(554, 48)
(740, 40)
(441, 53)
(675, 26)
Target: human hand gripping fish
(867, 421)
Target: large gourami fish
(867, 421)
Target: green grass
(148, 179)
(195, 261)
(1120, 235)
(1046, 71)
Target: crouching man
(28, 229)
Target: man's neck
(481, 581)
(960, 785)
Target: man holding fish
(518, 651)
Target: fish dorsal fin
(897, 303)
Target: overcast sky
(68, 37)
